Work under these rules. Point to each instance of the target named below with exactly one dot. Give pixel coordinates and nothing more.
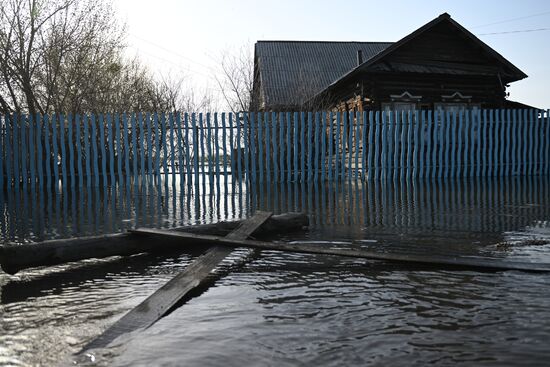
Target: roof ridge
(309, 41)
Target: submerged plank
(454, 262)
(14, 258)
(156, 305)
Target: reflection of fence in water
(400, 206)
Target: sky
(187, 38)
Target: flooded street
(273, 308)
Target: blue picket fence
(94, 150)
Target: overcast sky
(187, 37)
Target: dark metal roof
(297, 70)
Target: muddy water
(290, 309)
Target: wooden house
(440, 65)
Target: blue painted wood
(261, 141)
(323, 158)
(440, 141)
(377, 145)
(490, 156)
(16, 148)
(369, 167)
(170, 128)
(196, 146)
(47, 145)
(344, 169)
(267, 147)
(224, 148)
(239, 146)
(163, 143)
(202, 147)
(403, 132)
(359, 142)
(24, 150)
(9, 151)
(141, 144)
(365, 126)
(476, 118)
(253, 149)
(350, 172)
(3, 138)
(513, 167)
(392, 128)
(145, 133)
(417, 144)
(281, 147)
(78, 136)
(496, 150)
(384, 144)
(316, 148)
(102, 122)
(40, 160)
(337, 146)
(398, 138)
(467, 145)
(126, 150)
(453, 145)
(309, 143)
(94, 140)
(289, 126)
(231, 141)
(135, 120)
(209, 145)
(70, 139)
(421, 153)
(330, 157)
(447, 142)
(62, 123)
(155, 148)
(532, 144)
(86, 122)
(547, 145)
(410, 129)
(430, 155)
(501, 142)
(303, 147)
(246, 145)
(460, 151)
(188, 134)
(275, 157)
(217, 147)
(524, 142)
(33, 122)
(111, 147)
(537, 154)
(508, 140)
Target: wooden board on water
(156, 305)
(451, 262)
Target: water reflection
(402, 206)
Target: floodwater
(277, 309)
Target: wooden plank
(457, 262)
(32, 149)
(275, 125)
(24, 151)
(161, 301)
(80, 168)
(71, 145)
(86, 122)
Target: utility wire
(518, 31)
(512, 19)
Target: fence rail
(90, 150)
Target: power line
(518, 31)
(172, 52)
(512, 19)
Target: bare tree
(236, 78)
